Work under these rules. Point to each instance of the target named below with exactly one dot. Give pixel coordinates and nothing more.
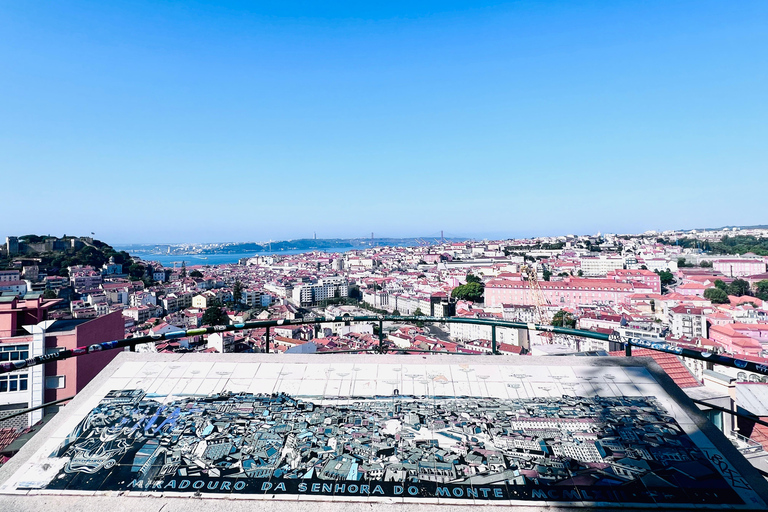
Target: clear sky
(243, 121)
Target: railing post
(493, 339)
(627, 349)
(381, 336)
(266, 349)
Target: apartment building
(570, 292)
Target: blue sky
(235, 121)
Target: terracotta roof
(670, 363)
(760, 434)
(7, 436)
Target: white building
(469, 332)
(688, 322)
(323, 289)
(143, 299)
(221, 341)
(600, 265)
(16, 287)
(9, 275)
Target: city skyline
(192, 121)
(432, 238)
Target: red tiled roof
(669, 363)
(760, 434)
(7, 436)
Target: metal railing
(754, 445)
(627, 342)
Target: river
(168, 260)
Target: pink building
(79, 371)
(733, 341)
(719, 318)
(15, 312)
(646, 277)
(30, 387)
(692, 289)
(570, 292)
(739, 267)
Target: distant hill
(306, 244)
(53, 254)
(302, 244)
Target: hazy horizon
(429, 238)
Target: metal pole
(627, 349)
(31, 409)
(381, 336)
(493, 339)
(266, 349)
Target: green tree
(564, 319)
(706, 264)
(719, 283)
(419, 312)
(547, 275)
(49, 294)
(183, 272)
(738, 288)
(214, 315)
(716, 295)
(472, 278)
(470, 291)
(237, 291)
(136, 271)
(196, 273)
(666, 277)
(762, 289)
(395, 313)
(32, 239)
(580, 273)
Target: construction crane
(540, 301)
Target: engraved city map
(458, 432)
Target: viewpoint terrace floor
(338, 432)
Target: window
(14, 352)
(55, 382)
(716, 417)
(9, 383)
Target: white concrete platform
(338, 432)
